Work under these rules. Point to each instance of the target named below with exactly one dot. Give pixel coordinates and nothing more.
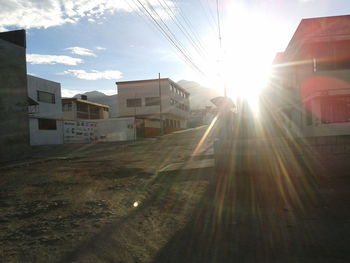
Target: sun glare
(242, 65)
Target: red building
(310, 89)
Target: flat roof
(151, 80)
(17, 37)
(84, 101)
(328, 26)
(36, 77)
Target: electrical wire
(150, 12)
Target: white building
(45, 111)
(157, 104)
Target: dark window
(94, 112)
(46, 97)
(47, 124)
(152, 101)
(133, 102)
(83, 107)
(105, 109)
(67, 106)
(309, 119)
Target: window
(83, 107)
(172, 101)
(47, 124)
(133, 102)
(152, 101)
(105, 109)
(67, 106)
(46, 97)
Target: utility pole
(160, 107)
(135, 124)
(220, 41)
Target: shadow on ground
(271, 216)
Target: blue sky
(88, 44)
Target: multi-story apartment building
(45, 111)
(82, 109)
(159, 105)
(310, 89)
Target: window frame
(53, 97)
(156, 101)
(47, 126)
(133, 99)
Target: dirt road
(81, 209)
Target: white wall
(144, 89)
(45, 111)
(45, 137)
(80, 131)
(116, 129)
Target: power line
(210, 17)
(192, 39)
(166, 32)
(218, 17)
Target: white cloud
(100, 48)
(68, 93)
(109, 92)
(93, 74)
(52, 59)
(81, 51)
(48, 13)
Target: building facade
(14, 128)
(44, 111)
(159, 105)
(310, 89)
(82, 109)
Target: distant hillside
(100, 97)
(199, 96)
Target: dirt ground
(80, 207)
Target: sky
(88, 45)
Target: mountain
(199, 96)
(101, 98)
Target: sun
(242, 65)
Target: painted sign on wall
(79, 131)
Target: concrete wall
(14, 127)
(45, 137)
(45, 111)
(115, 129)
